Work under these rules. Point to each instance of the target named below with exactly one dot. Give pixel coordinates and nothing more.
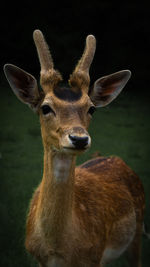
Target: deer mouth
(69, 150)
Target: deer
(86, 215)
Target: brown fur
(81, 216)
(98, 208)
(106, 206)
(80, 79)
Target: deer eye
(47, 109)
(91, 110)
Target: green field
(121, 129)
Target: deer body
(90, 214)
(98, 214)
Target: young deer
(88, 215)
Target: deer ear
(23, 84)
(107, 88)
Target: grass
(121, 129)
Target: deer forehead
(60, 104)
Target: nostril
(79, 141)
(73, 138)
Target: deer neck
(56, 195)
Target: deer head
(65, 113)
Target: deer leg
(134, 249)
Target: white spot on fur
(82, 207)
(113, 253)
(61, 167)
(55, 262)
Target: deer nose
(79, 142)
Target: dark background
(122, 30)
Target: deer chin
(69, 150)
(74, 151)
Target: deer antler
(81, 72)
(88, 54)
(48, 73)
